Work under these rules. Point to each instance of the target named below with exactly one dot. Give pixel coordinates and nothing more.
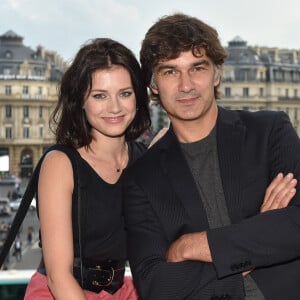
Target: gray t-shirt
(202, 158)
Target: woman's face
(111, 105)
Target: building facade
(254, 78)
(257, 78)
(28, 93)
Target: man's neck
(195, 130)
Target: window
(261, 92)
(8, 90)
(41, 131)
(295, 93)
(278, 92)
(8, 54)
(7, 71)
(245, 75)
(287, 93)
(40, 90)
(26, 111)
(261, 75)
(8, 111)
(245, 92)
(227, 91)
(278, 75)
(26, 132)
(38, 72)
(287, 76)
(296, 76)
(8, 132)
(25, 90)
(40, 111)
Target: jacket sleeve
(147, 244)
(268, 238)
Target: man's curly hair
(177, 33)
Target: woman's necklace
(123, 161)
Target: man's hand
(190, 246)
(280, 192)
(194, 246)
(278, 195)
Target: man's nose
(186, 82)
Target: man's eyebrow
(197, 63)
(163, 67)
(201, 62)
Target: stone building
(28, 92)
(256, 78)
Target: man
(18, 249)
(200, 225)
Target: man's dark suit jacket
(162, 203)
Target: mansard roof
(12, 44)
(11, 35)
(13, 53)
(240, 53)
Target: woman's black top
(102, 223)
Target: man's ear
(218, 75)
(153, 86)
(154, 90)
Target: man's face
(186, 86)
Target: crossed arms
(195, 246)
(155, 219)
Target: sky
(64, 26)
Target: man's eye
(198, 68)
(170, 73)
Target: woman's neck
(107, 157)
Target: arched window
(26, 163)
(8, 54)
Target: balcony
(21, 77)
(34, 97)
(286, 98)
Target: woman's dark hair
(177, 33)
(68, 117)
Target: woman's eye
(99, 96)
(126, 94)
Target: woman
(102, 109)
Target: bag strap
(79, 212)
(29, 193)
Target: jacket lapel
(230, 136)
(178, 173)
